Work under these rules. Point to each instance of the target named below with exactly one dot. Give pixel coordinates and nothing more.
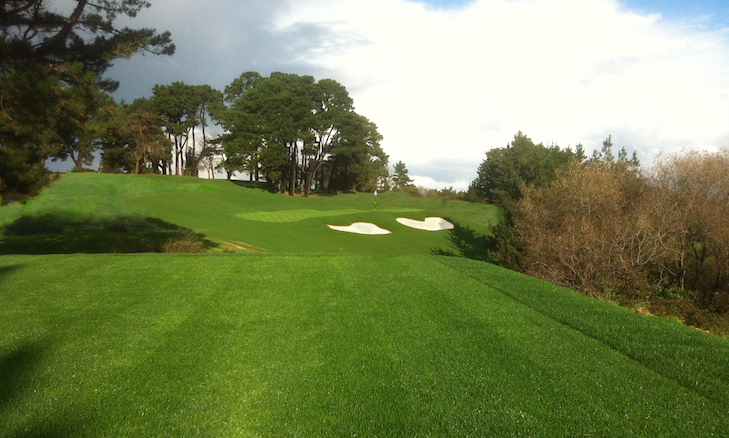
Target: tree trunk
(292, 183)
(313, 169)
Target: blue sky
(718, 10)
(670, 9)
(448, 80)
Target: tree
(44, 53)
(136, 142)
(605, 227)
(358, 160)
(690, 198)
(332, 107)
(269, 118)
(502, 177)
(295, 130)
(400, 176)
(83, 122)
(240, 144)
(177, 105)
(206, 99)
(505, 171)
(588, 230)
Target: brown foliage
(184, 241)
(585, 229)
(604, 227)
(691, 209)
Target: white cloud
(450, 84)
(455, 83)
(460, 185)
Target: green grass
(299, 215)
(101, 213)
(329, 334)
(84, 212)
(250, 345)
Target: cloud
(459, 185)
(445, 85)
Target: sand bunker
(429, 224)
(360, 228)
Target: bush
(184, 241)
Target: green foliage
(298, 133)
(505, 171)
(400, 176)
(51, 88)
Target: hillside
(316, 332)
(112, 213)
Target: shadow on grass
(466, 243)
(57, 233)
(250, 184)
(17, 368)
(4, 270)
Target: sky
(447, 80)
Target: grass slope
(250, 345)
(87, 213)
(98, 213)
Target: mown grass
(239, 345)
(127, 213)
(233, 214)
(84, 212)
(301, 214)
(338, 335)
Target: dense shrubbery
(658, 239)
(605, 228)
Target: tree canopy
(51, 85)
(294, 130)
(400, 176)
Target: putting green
(283, 216)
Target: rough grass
(235, 345)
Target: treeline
(604, 226)
(289, 130)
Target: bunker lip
(429, 224)
(361, 228)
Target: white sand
(429, 224)
(360, 228)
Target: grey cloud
(217, 43)
(445, 169)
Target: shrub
(184, 241)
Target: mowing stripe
(649, 341)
